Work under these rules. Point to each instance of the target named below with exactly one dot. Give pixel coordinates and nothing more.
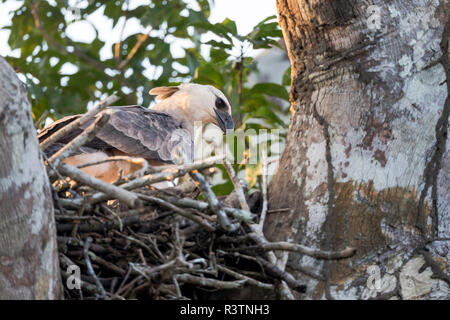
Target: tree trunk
(28, 252)
(367, 160)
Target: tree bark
(367, 161)
(29, 266)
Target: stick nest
(129, 240)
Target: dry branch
(239, 191)
(315, 253)
(282, 275)
(169, 173)
(141, 40)
(209, 282)
(111, 190)
(79, 122)
(180, 211)
(239, 214)
(86, 136)
(214, 204)
(262, 217)
(133, 160)
(237, 275)
(91, 269)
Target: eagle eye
(220, 104)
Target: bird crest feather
(163, 92)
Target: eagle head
(191, 102)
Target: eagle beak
(224, 120)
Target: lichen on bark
(28, 253)
(366, 149)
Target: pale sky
(246, 13)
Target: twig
(135, 212)
(251, 281)
(130, 198)
(83, 284)
(214, 204)
(237, 186)
(91, 269)
(101, 227)
(118, 45)
(209, 282)
(123, 281)
(147, 272)
(133, 160)
(41, 119)
(262, 218)
(141, 255)
(282, 275)
(260, 239)
(141, 40)
(59, 217)
(78, 122)
(63, 184)
(114, 214)
(169, 173)
(155, 246)
(263, 244)
(79, 214)
(86, 136)
(136, 241)
(308, 272)
(279, 210)
(80, 243)
(108, 265)
(315, 253)
(438, 273)
(129, 285)
(180, 211)
(197, 165)
(202, 206)
(177, 286)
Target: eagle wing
(135, 131)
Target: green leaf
(192, 62)
(219, 44)
(267, 114)
(223, 189)
(218, 55)
(252, 171)
(230, 25)
(287, 77)
(113, 11)
(206, 73)
(269, 18)
(271, 89)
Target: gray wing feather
(136, 131)
(146, 133)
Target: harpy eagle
(157, 134)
